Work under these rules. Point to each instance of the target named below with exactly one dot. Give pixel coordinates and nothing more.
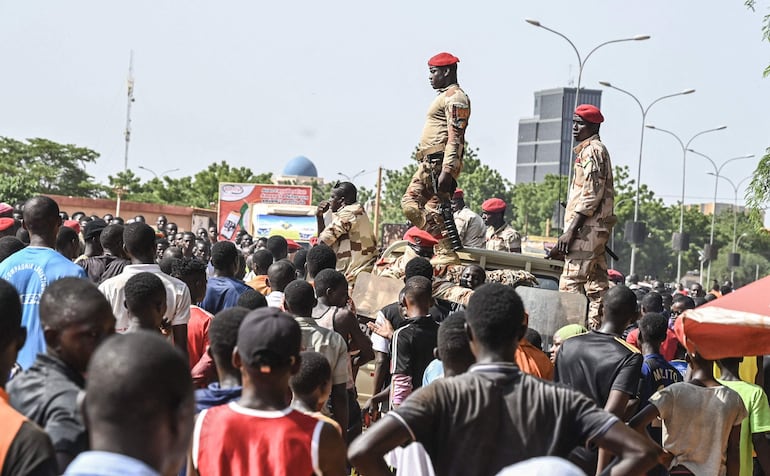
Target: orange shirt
(259, 284)
(533, 361)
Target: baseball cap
(268, 337)
(94, 228)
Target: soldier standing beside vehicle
(589, 216)
(440, 155)
(500, 235)
(470, 226)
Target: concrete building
(708, 207)
(544, 139)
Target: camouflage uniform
(470, 227)
(504, 238)
(449, 291)
(591, 194)
(351, 236)
(394, 267)
(440, 149)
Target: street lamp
(644, 111)
(684, 169)
(581, 63)
(163, 174)
(735, 211)
(717, 171)
(349, 178)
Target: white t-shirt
(379, 343)
(177, 296)
(696, 424)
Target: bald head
(41, 217)
(280, 274)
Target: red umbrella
(734, 325)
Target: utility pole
(377, 202)
(128, 108)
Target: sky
(345, 83)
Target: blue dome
(301, 166)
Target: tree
(17, 188)
(758, 191)
(206, 183)
(55, 168)
(477, 180)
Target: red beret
(443, 59)
(420, 237)
(590, 113)
(5, 210)
(313, 241)
(72, 224)
(292, 245)
(459, 193)
(493, 205)
(6, 223)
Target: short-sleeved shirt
(198, 334)
(758, 421)
(327, 343)
(177, 296)
(504, 238)
(493, 416)
(47, 395)
(31, 271)
(392, 312)
(412, 348)
(222, 293)
(597, 363)
(657, 374)
(104, 267)
(470, 227)
(696, 424)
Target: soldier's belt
(431, 153)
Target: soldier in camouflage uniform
(419, 243)
(500, 235)
(350, 233)
(589, 217)
(440, 155)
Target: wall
(182, 216)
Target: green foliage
(478, 181)
(758, 192)
(54, 168)
(17, 188)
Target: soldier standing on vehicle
(440, 155)
(470, 226)
(589, 217)
(500, 235)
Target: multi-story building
(545, 139)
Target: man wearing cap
(92, 233)
(419, 243)
(440, 155)
(288, 441)
(500, 235)
(350, 233)
(590, 216)
(470, 226)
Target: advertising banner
(265, 210)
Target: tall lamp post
(644, 111)
(157, 176)
(581, 64)
(735, 213)
(684, 146)
(354, 176)
(717, 171)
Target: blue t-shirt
(31, 271)
(433, 371)
(222, 293)
(657, 373)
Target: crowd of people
(132, 350)
(268, 347)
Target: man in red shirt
(260, 434)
